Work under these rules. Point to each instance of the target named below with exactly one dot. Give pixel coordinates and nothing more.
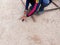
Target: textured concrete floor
(45, 31)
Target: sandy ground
(45, 31)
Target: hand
(23, 18)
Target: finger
(22, 20)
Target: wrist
(25, 11)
